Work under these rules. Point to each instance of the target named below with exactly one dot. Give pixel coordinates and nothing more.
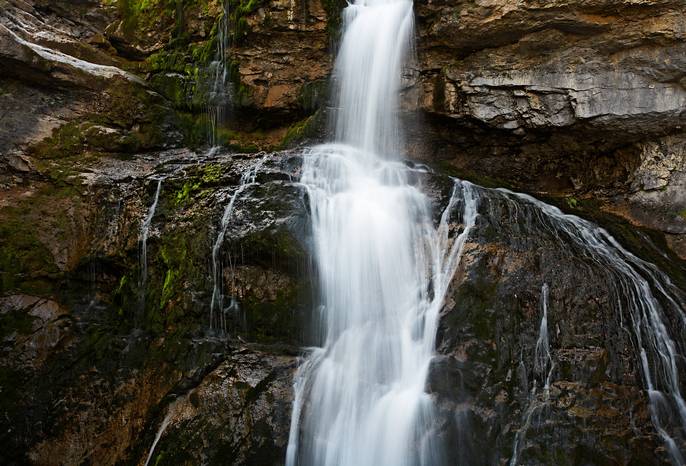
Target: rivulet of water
(220, 90)
(248, 179)
(143, 241)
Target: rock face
(105, 352)
(559, 97)
(524, 392)
(239, 414)
(86, 371)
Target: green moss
(182, 266)
(65, 141)
(682, 214)
(184, 194)
(169, 288)
(25, 263)
(167, 60)
(300, 130)
(333, 14)
(271, 321)
(238, 11)
(212, 173)
(159, 458)
(141, 15)
(572, 202)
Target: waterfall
(383, 266)
(248, 179)
(384, 269)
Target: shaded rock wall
(91, 353)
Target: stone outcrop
(563, 98)
(91, 351)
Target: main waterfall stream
(384, 267)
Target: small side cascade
(643, 297)
(217, 311)
(143, 241)
(543, 370)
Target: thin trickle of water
(220, 93)
(384, 267)
(248, 179)
(543, 370)
(143, 240)
(163, 427)
(543, 360)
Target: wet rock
(239, 414)
(488, 337)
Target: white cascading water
(383, 266)
(644, 297)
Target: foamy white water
(384, 267)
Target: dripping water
(171, 409)
(220, 93)
(643, 297)
(543, 360)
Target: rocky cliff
(107, 351)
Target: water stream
(143, 241)
(384, 266)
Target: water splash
(217, 312)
